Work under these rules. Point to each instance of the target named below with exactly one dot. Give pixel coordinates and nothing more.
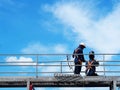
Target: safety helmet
(82, 44)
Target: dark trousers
(77, 69)
(91, 72)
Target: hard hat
(82, 44)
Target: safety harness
(89, 66)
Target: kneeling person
(91, 65)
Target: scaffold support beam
(113, 85)
(28, 85)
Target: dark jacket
(79, 56)
(91, 67)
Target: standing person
(78, 58)
(31, 86)
(91, 65)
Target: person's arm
(73, 54)
(96, 63)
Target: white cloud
(38, 48)
(60, 48)
(19, 61)
(34, 48)
(49, 69)
(101, 35)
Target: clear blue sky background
(58, 26)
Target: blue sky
(26, 24)
(58, 26)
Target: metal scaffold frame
(42, 77)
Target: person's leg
(90, 73)
(95, 74)
(77, 71)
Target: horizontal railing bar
(39, 62)
(56, 61)
(15, 72)
(109, 61)
(39, 65)
(54, 72)
(31, 72)
(57, 54)
(52, 65)
(17, 65)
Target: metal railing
(48, 64)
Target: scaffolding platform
(62, 81)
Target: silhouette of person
(91, 65)
(78, 58)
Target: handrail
(44, 63)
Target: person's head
(82, 45)
(91, 55)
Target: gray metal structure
(56, 70)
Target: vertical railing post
(61, 67)
(37, 67)
(28, 85)
(113, 85)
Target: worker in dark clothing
(31, 86)
(91, 65)
(78, 58)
